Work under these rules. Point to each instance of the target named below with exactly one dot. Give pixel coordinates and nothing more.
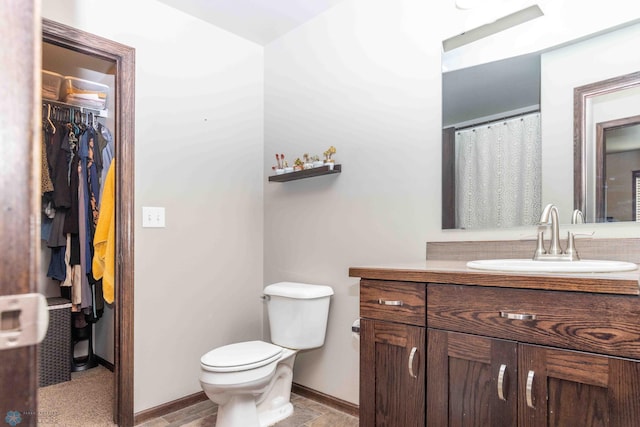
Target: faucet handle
(584, 234)
(540, 250)
(571, 251)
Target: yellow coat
(104, 240)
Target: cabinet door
(392, 374)
(471, 381)
(562, 388)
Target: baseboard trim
(176, 405)
(169, 407)
(110, 366)
(325, 399)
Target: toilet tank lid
(298, 290)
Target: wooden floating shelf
(306, 173)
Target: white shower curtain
(498, 174)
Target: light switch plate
(153, 217)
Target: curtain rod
(495, 117)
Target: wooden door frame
(601, 160)
(20, 145)
(124, 58)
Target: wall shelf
(307, 173)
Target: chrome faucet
(555, 252)
(550, 215)
(577, 217)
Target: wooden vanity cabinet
(392, 353)
(578, 389)
(462, 373)
(531, 358)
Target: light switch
(153, 217)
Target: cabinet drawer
(402, 302)
(608, 324)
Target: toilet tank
(298, 314)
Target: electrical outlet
(153, 217)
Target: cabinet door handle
(501, 374)
(517, 316)
(529, 390)
(386, 302)
(412, 355)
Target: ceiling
(260, 21)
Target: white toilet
(251, 381)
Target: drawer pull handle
(503, 370)
(412, 355)
(385, 302)
(517, 316)
(529, 390)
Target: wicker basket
(54, 352)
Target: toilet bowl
(251, 381)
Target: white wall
(199, 139)
(365, 77)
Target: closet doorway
(123, 59)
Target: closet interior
(78, 152)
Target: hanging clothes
(58, 156)
(75, 157)
(72, 230)
(105, 143)
(45, 178)
(92, 299)
(104, 239)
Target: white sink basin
(529, 265)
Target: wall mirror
(530, 97)
(607, 148)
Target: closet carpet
(86, 400)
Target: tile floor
(306, 413)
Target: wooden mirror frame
(124, 58)
(601, 156)
(581, 96)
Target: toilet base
(273, 416)
(239, 411)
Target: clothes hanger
(73, 121)
(53, 127)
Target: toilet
(251, 381)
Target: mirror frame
(601, 155)
(582, 95)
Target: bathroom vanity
(446, 345)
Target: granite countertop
(457, 272)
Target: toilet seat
(241, 356)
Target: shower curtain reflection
(498, 173)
